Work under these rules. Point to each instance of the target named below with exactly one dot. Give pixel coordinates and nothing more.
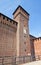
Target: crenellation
(7, 20)
(37, 39)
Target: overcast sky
(33, 7)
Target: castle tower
(22, 34)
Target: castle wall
(7, 37)
(37, 46)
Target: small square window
(25, 50)
(24, 42)
(24, 35)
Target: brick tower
(22, 34)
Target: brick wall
(37, 46)
(7, 37)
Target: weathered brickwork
(7, 37)
(15, 39)
(37, 46)
(23, 40)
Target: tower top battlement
(21, 10)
